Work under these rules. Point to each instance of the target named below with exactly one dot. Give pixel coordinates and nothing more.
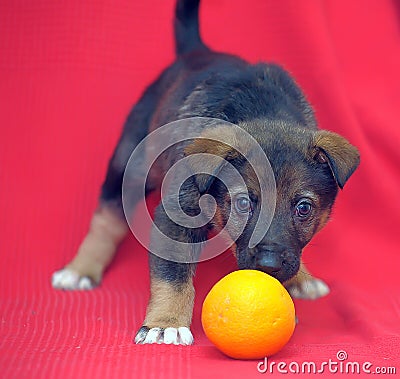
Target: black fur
(186, 24)
(265, 101)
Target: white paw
(175, 336)
(311, 288)
(67, 279)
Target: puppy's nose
(269, 262)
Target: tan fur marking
(218, 219)
(98, 248)
(219, 224)
(323, 219)
(232, 249)
(171, 305)
(302, 275)
(343, 158)
(210, 142)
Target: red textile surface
(69, 73)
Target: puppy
(309, 167)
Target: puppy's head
(309, 167)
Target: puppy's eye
(243, 204)
(303, 208)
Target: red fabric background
(69, 73)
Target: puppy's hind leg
(108, 226)
(85, 271)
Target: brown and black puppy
(309, 166)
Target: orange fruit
(248, 315)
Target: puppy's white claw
(65, 279)
(68, 279)
(311, 288)
(85, 283)
(171, 336)
(185, 336)
(141, 334)
(154, 335)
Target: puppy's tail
(187, 35)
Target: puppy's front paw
(175, 336)
(308, 288)
(67, 279)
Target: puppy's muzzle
(278, 260)
(269, 261)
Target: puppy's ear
(213, 149)
(342, 157)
